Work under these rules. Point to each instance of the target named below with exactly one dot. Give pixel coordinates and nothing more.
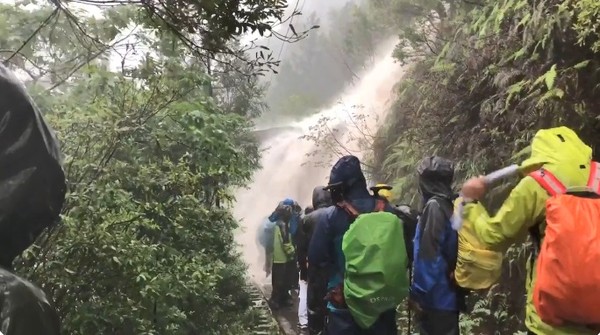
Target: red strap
(594, 179)
(379, 205)
(349, 209)
(548, 181)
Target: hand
(288, 248)
(474, 188)
(451, 277)
(267, 269)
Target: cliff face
(494, 73)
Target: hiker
(359, 302)
(301, 246)
(408, 216)
(434, 294)
(316, 277)
(563, 266)
(294, 223)
(280, 256)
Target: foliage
(498, 72)
(55, 48)
(345, 133)
(205, 30)
(152, 155)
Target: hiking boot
(303, 329)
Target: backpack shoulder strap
(348, 208)
(553, 186)
(548, 181)
(354, 213)
(440, 201)
(594, 179)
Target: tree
(152, 158)
(336, 136)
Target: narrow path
(267, 324)
(286, 318)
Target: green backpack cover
(376, 264)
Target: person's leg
(302, 308)
(295, 276)
(340, 322)
(318, 303)
(436, 322)
(290, 267)
(317, 308)
(385, 324)
(316, 322)
(277, 284)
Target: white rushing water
(284, 170)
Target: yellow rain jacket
(560, 151)
(283, 251)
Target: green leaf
(581, 65)
(550, 77)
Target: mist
(286, 162)
(315, 70)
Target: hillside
(486, 76)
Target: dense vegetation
(156, 132)
(486, 76)
(155, 139)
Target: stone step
(267, 325)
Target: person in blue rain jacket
(346, 182)
(433, 292)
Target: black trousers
(436, 322)
(317, 306)
(294, 276)
(279, 283)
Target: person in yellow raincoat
(560, 151)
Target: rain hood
(554, 147)
(321, 198)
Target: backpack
(477, 267)
(376, 263)
(266, 234)
(567, 288)
(447, 251)
(32, 181)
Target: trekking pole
(488, 180)
(408, 303)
